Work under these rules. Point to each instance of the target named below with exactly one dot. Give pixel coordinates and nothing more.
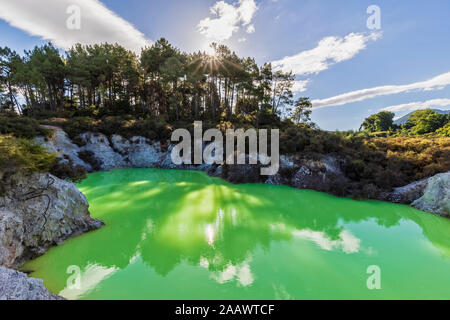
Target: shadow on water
(161, 220)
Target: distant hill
(405, 119)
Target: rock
(61, 143)
(15, 285)
(406, 194)
(212, 170)
(332, 165)
(287, 169)
(11, 237)
(40, 211)
(275, 180)
(244, 173)
(137, 152)
(287, 162)
(165, 160)
(323, 175)
(98, 144)
(215, 171)
(436, 197)
(140, 152)
(303, 178)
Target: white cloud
(242, 39)
(300, 85)
(329, 51)
(229, 19)
(47, 19)
(436, 83)
(419, 105)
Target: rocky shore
(325, 174)
(15, 285)
(37, 212)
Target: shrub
(444, 131)
(125, 126)
(67, 171)
(77, 125)
(22, 127)
(24, 155)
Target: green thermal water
(184, 235)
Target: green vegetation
(18, 154)
(108, 80)
(396, 161)
(21, 127)
(420, 122)
(426, 121)
(372, 164)
(382, 121)
(444, 131)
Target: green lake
(183, 235)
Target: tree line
(420, 122)
(107, 79)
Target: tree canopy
(107, 79)
(426, 121)
(420, 122)
(382, 121)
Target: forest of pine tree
(162, 81)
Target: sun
(209, 50)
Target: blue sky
(343, 66)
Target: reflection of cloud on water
(347, 242)
(240, 273)
(281, 292)
(90, 278)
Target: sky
(352, 58)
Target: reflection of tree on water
(166, 217)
